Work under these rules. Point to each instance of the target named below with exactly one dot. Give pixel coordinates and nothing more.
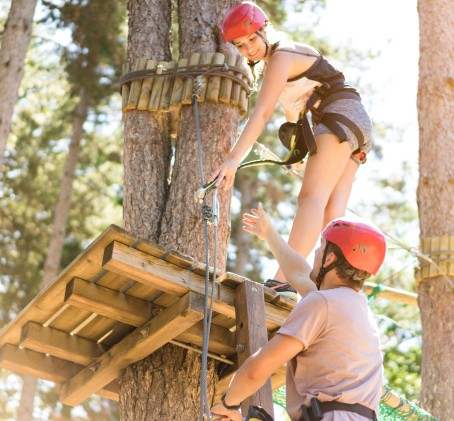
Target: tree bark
(436, 199)
(147, 149)
(15, 40)
(166, 385)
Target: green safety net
(386, 412)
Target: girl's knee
(310, 199)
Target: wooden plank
(111, 391)
(236, 88)
(251, 335)
(50, 299)
(434, 246)
(167, 89)
(214, 83)
(225, 89)
(205, 60)
(189, 83)
(125, 89)
(107, 302)
(222, 341)
(66, 320)
(451, 257)
(178, 86)
(174, 280)
(35, 364)
(444, 255)
(136, 86)
(47, 340)
(155, 96)
(147, 86)
(142, 342)
(175, 117)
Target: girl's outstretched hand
(257, 222)
(225, 173)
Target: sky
(377, 26)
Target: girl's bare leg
(328, 171)
(337, 203)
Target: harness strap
(332, 120)
(317, 409)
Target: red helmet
(242, 19)
(362, 244)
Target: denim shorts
(354, 111)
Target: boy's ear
(330, 258)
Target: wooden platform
(118, 302)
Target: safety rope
(208, 215)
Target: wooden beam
(251, 335)
(111, 391)
(168, 324)
(107, 302)
(35, 364)
(136, 312)
(157, 273)
(222, 340)
(57, 343)
(392, 294)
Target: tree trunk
(166, 385)
(15, 40)
(147, 149)
(436, 199)
(52, 263)
(26, 404)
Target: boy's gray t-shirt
(342, 358)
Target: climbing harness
(315, 411)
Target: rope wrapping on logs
(191, 72)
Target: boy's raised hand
(257, 222)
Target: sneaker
(282, 288)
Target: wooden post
(187, 93)
(205, 59)
(155, 97)
(235, 99)
(147, 85)
(244, 99)
(214, 83)
(251, 335)
(136, 86)
(225, 89)
(167, 90)
(125, 89)
(178, 87)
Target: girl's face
(252, 46)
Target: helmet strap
(267, 44)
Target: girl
(299, 78)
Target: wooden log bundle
(165, 87)
(436, 259)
